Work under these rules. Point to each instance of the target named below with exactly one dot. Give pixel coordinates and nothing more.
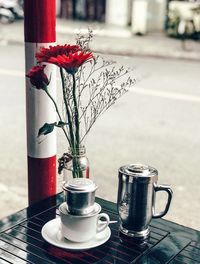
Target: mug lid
(139, 170)
(80, 185)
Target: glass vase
(77, 166)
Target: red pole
(39, 28)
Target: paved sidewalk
(112, 40)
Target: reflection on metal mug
(136, 199)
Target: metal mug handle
(167, 189)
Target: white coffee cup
(81, 228)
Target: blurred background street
(156, 123)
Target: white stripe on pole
(40, 108)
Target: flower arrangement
(90, 85)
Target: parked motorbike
(10, 10)
(184, 20)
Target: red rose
(72, 61)
(37, 77)
(53, 51)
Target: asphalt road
(156, 123)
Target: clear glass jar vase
(76, 165)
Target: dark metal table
(21, 241)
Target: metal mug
(136, 199)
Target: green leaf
(61, 124)
(46, 129)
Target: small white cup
(81, 228)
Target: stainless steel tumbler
(136, 199)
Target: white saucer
(52, 234)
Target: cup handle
(101, 226)
(167, 189)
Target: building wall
(118, 12)
(159, 12)
(144, 15)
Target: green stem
(67, 111)
(76, 113)
(76, 162)
(57, 111)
